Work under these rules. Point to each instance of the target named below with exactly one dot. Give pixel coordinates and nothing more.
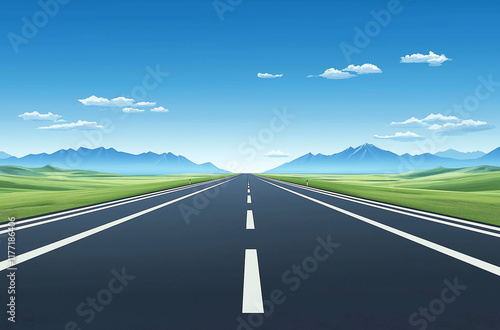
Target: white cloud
(120, 102)
(159, 109)
(104, 102)
(132, 110)
(80, 125)
(145, 104)
(269, 75)
(462, 128)
(412, 122)
(425, 122)
(446, 125)
(440, 118)
(35, 115)
(276, 153)
(333, 73)
(336, 74)
(363, 69)
(402, 137)
(432, 59)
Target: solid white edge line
(85, 212)
(436, 247)
(132, 198)
(250, 222)
(249, 199)
(53, 246)
(409, 212)
(252, 292)
(356, 199)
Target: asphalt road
(197, 258)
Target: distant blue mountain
(4, 155)
(112, 161)
(370, 159)
(493, 156)
(452, 153)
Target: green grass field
(26, 192)
(470, 193)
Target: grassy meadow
(471, 193)
(26, 192)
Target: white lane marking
(133, 198)
(248, 191)
(409, 212)
(51, 247)
(250, 222)
(249, 199)
(494, 269)
(88, 211)
(359, 199)
(90, 207)
(252, 292)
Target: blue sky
(216, 103)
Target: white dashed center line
(250, 222)
(252, 292)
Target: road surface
(251, 253)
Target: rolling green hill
(442, 170)
(472, 193)
(17, 170)
(26, 192)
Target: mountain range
(4, 155)
(370, 159)
(113, 161)
(452, 153)
(363, 159)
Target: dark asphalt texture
(189, 274)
